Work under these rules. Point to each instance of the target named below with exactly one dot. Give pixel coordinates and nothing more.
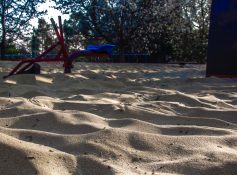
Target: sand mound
(118, 119)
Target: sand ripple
(118, 119)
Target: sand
(118, 119)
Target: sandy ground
(122, 119)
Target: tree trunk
(121, 52)
(3, 39)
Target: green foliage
(73, 37)
(177, 29)
(43, 35)
(15, 18)
(173, 30)
(12, 49)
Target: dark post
(33, 44)
(222, 47)
(3, 35)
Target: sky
(52, 13)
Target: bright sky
(52, 13)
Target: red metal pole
(38, 57)
(67, 63)
(56, 30)
(61, 29)
(26, 66)
(61, 42)
(48, 50)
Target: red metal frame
(62, 55)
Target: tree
(44, 34)
(73, 37)
(190, 32)
(17, 50)
(163, 28)
(116, 21)
(15, 17)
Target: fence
(115, 58)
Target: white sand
(109, 119)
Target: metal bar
(62, 37)
(38, 57)
(56, 31)
(43, 60)
(67, 63)
(14, 70)
(61, 29)
(48, 50)
(100, 55)
(31, 62)
(24, 68)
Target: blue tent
(105, 48)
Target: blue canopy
(105, 48)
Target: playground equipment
(28, 66)
(222, 45)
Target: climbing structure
(62, 55)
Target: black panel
(222, 47)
